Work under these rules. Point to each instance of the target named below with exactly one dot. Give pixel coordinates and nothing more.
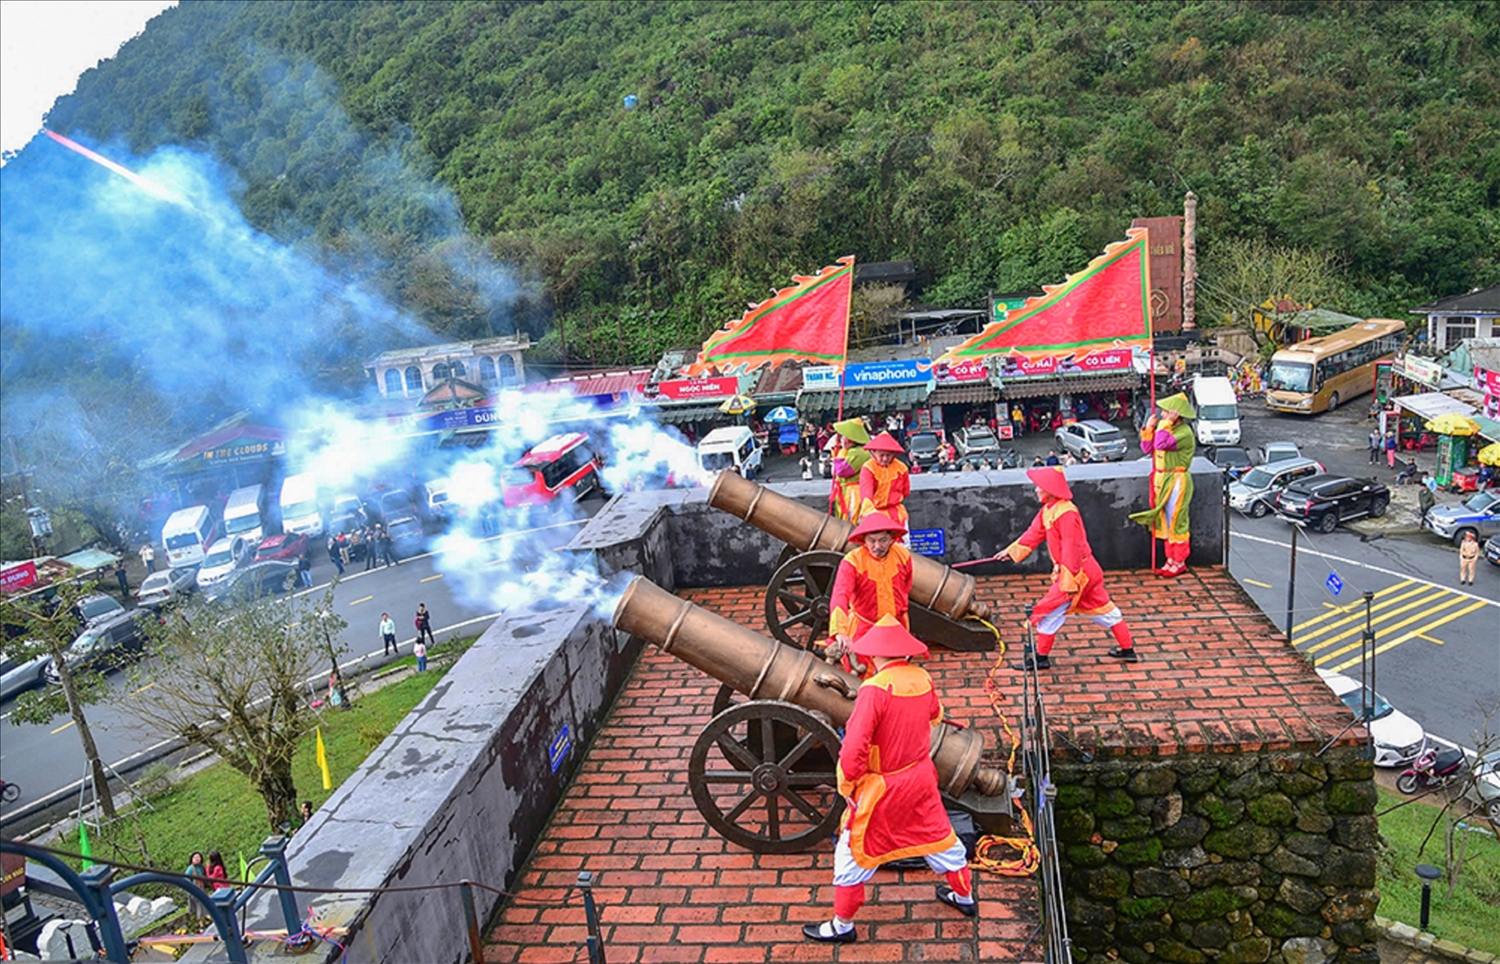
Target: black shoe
(825, 934)
(947, 896)
(1031, 662)
(1124, 655)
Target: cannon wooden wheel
(762, 774)
(799, 597)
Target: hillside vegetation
(997, 145)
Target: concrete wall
(462, 788)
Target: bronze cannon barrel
(763, 669)
(934, 585)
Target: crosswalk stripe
(1415, 634)
(1343, 610)
(1378, 612)
(1425, 614)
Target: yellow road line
(63, 727)
(1340, 610)
(361, 600)
(1263, 585)
(1388, 629)
(430, 578)
(143, 688)
(1378, 612)
(1416, 634)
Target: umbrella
(781, 413)
(1451, 423)
(1490, 454)
(737, 405)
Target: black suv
(1323, 501)
(923, 448)
(105, 645)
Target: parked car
(256, 579)
(1255, 492)
(96, 608)
(1492, 550)
(1398, 738)
(408, 538)
(1096, 438)
(221, 558)
(286, 546)
(1232, 460)
(347, 514)
(1479, 515)
(160, 589)
(1322, 502)
(922, 448)
(975, 440)
(1278, 452)
(105, 645)
(1484, 789)
(19, 675)
(396, 505)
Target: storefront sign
(1486, 382)
(820, 377)
(18, 577)
(1000, 307)
(929, 542)
(924, 419)
(969, 370)
(683, 389)
(459, 418)
(1110, 360)
(905, 371)
(246, 451)
(1018, 366)
(1428, 373)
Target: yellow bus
(1319, 374)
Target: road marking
(430, 578)
(1263, 585)
(63, 727)
(1401, 639)
(1328, 657)
(1428, 638)
(1378, 612)
(1365, 565)
(143, 688)
(1359, 604)
(362, 599)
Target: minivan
(562, 464)
(185, 534)
(1218, 409)
(245, 514)
(300, 511)
(1257, 489)
(732, 447)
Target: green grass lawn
(218, 809)
(1470, 917)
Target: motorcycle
(1434, 768)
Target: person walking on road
(304, 569)
(148, 557)
(1425, 499)
(424, 624)
(1375, 446)
(1468, 555)
(333, 554)
(123, 580)
(388, 634)
(368, 538)
(1390, 450)
(387, 549)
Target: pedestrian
(197, 874)
(123, 580)
(419, 650)
(887, 774)
(1390, 450)
(217, 875)
(1068, 459)
(388, 634)
(304, 569)
(1468, 555)
(148, 557)
(1052, 458)
(367, 537)
(1018, 420)
(306, 813)
(806, 464)
(1375, 446)
(333, 554)
(387, 549)
(424, 623)
(1077, 579)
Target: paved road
(45, 759)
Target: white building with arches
(490, 363)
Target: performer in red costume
(1077, 580)
(884, 481)
(887, 775)
(873, 580)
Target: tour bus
(185, 534)
(1218, 410)
(245, 514)
(300, 512)
(563, 463)
(1319, 374)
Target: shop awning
(1036, 387)
(891, 398)
(1429, 405)
(963, 394)
(683, 414)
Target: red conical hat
(876, 522)
(1050, 480)
(884, 442)
(890, 639)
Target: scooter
(1434, 768)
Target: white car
(221, 558)
(1485, 789)
(160, 588)
(1398, 738)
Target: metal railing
(1036, 759)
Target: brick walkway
(672, 889)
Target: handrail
(1036, 759)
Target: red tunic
(867, 588)
(886, 771)
(884, 489)
(1076, 577)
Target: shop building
(490, 363)
(1458, 318)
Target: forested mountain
(997, 145)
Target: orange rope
(1029, 858)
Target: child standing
(420, 652)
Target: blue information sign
(558, 751)
(1334, 583)
(929, 542)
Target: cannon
(762, 772)
(798, 595)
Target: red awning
(235, 436)
(602, 383)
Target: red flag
(806, 322)
(1106, 305)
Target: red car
(282, 547)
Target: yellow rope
(1029, 858)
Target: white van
(245, 514)
(733, 447)
(300, 512)
(1218, 410)
(185, 534)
